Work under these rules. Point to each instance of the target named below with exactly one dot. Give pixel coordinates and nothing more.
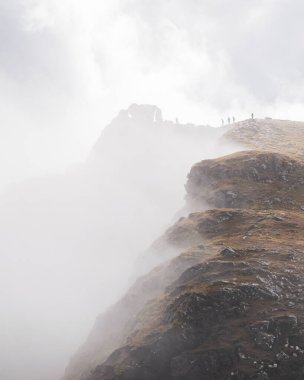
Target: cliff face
(253, 179)
(230, 304)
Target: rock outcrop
(230, 304)
(252, 179)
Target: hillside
(229, 305)
(282, 136)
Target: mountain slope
(230, 305)
(282, 136)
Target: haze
(67, 67)
(74, 218)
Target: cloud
(67, 67)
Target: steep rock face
(230, 306)
(252, 179)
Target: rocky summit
(230, 304)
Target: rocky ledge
(251, 179)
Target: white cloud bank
(67, 66)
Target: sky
(67, 67)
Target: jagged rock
(247, 180)
(229, 252)
(145, 113)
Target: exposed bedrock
(230, 304)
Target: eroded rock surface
(251, 179)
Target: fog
(68, 66)
(69, 242)
(81, 196)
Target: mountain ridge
(229, 305)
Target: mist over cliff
(69, 242)
(229, 303)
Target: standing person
(228, 120)
(252, 116)
(223, 122)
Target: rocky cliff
(229, 305)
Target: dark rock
(265, 341)
(229, 252)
